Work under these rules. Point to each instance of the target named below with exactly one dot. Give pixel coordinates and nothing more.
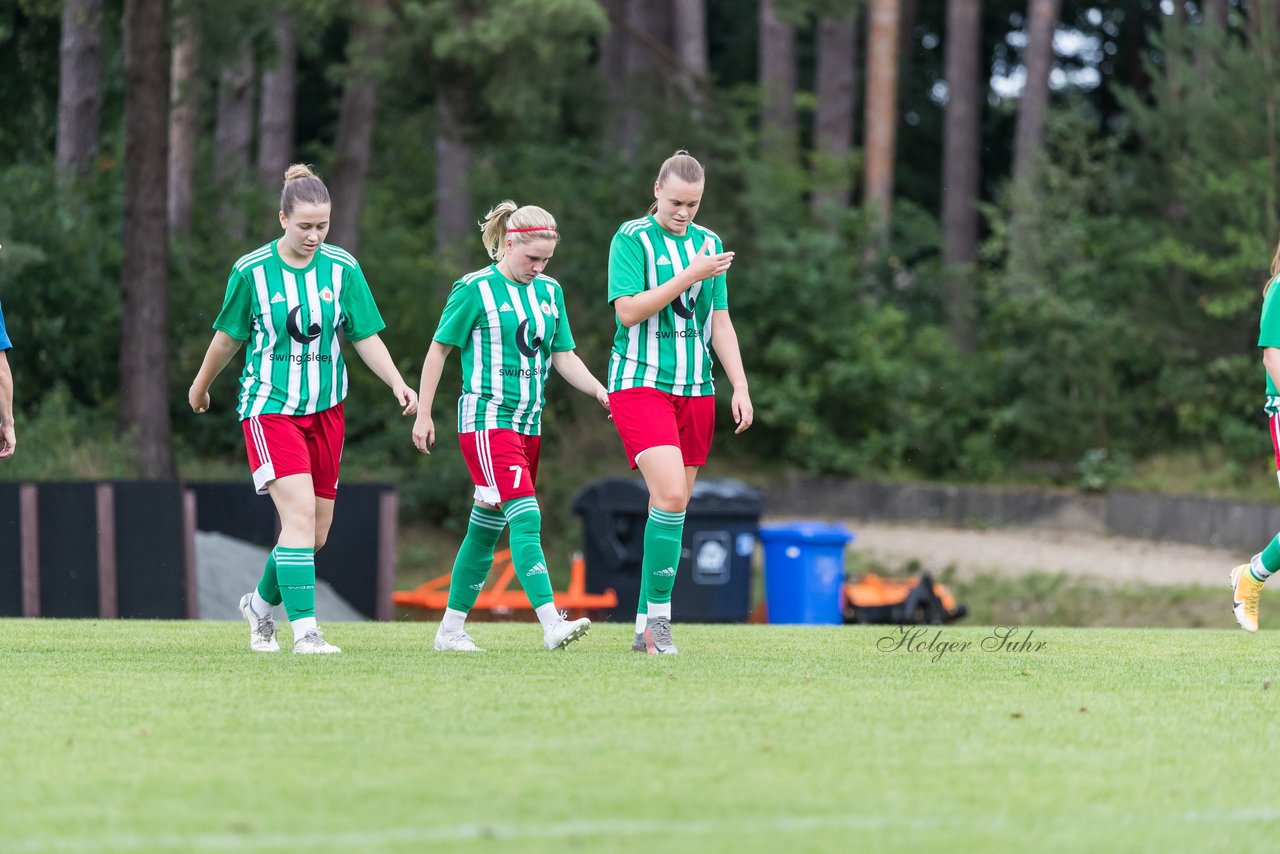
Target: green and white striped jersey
(1269, 336)
(291, 317)
(670, 351)
(507, 332)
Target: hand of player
(407, 397)
(424, 432)
(705, 265)
(8, 440)
(743, 412)
(602, 397)
(199, 400)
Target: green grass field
(139, 736)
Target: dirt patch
(1020, 551)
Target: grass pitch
(152, 736)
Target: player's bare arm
(8, 436)
(1271, 362)
(569, 365)
(373, 352)
(424, 428)
(724, 340)
(221, 349)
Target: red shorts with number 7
(503, 463)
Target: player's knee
(298, 525)
(527, 523)
(671, 500)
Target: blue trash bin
(804, 572)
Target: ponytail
(524, 224)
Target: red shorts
(503, 463)
(647, 418)
(281, 445)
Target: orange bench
(496, 598)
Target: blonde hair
(507, 216)
(681, 165)
(302, 187)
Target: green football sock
(526, 549)
(662, 543)
(475, 557)
(642, 604)
(296, 571)
(1270, 558)
(268, 586)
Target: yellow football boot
(1245, 593)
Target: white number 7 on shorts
(517, 470)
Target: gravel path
(1019, 551)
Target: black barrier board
(150, 552)
(236, 510)
(10, 552)
(68, 543)
(349, 560)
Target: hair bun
(297, 172)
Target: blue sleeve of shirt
(5, 344)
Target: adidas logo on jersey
(277, 298)
(506, 306)
(665, 260)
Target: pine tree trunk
(277, 108)
(1214, 17)
(184, 124)
(233, 133)
(881, 114)
(144, 311)
(1033, 108)
(79, 86)
(833, 118)
(646, 49)
(690, 38)
(778, 122)
(961, 164)
(1215, 13)
(233, 137)
(613, 50)
(455, 219)
(357, 117)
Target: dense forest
(975, 238)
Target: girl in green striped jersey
(291, 299)
(1247, 579)
(511, 324)
(667, 284)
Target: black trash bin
(713, 580)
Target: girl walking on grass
(290, 299)
(510, 321)
(1247, 579)
(667, 285)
